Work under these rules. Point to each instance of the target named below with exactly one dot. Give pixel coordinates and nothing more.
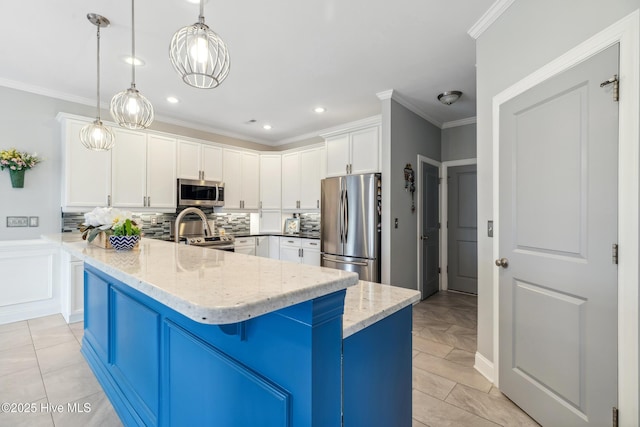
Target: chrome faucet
(203, 217)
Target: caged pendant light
(129, 108)
(199, 55)
(95, 136)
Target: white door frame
(627, 33)
(421, 160)
(444, 214)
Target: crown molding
(392, 94)
(461, 122)
(351, 126)
(489, 18)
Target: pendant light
(96, 136)
(199, 55)
(129, 108)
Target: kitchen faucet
(203, 217)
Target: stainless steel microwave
(195, 192)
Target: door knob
(502, 262)
(424, 237)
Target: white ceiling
(287, 57)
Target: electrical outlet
(154, 220)
(17, 221)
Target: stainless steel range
(223, 243)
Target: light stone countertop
(368, 302)
(206, 285)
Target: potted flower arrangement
(112, 227)
(17, 162)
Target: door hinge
(438, 270)
(439, 180)
(614, 253)
(615, 417)
(616, 86)
(447, 269)
(438, 226)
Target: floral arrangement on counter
(15, 160)
(111, 221)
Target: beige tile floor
(41, 366)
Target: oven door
(226, 247)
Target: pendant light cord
(201, 17)
(133, 45)
(98, 85)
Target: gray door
(430, 235)
(462, 232)
(557, 223)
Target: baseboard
(484, 366)
(26, 312)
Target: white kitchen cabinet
(199, 161)
(242, 179)
(87, 173)
(270, 221)
(301, 174)
(274, 247)
(354, 152)
(262, 246)
(72, 289)
(143, 171)
(270, 180)
(295, 249)
(311, 252)
(245, 245)
(139, 172)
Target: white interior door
(557, 224)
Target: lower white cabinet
(245, 245)
(274, 247)
(72, 278)
(295, 249)
(262, 246)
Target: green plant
(126, 228)
(13, 159)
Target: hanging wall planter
(17, 178)
(17, 162)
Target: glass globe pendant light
(199, 55)
(95, 136)
(129, 108)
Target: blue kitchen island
(180, 335)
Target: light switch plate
(33, 221)
(490, 228)
(17, 221)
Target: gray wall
(459, 142)
(410, 135)
(28, 123)
(527, 36)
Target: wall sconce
(409, 183)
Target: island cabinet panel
(281, 368)
(96, 313)
(219, 380)
(377, 373)
(135, 359)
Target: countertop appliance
(223, 243)
(200, 193)
(350, 224)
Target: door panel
(557, 223)
(462, 241)
(430, 235)
(331, 217)
(361, 220)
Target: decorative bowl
(123, 243)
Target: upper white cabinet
(241, 179)
(199, 161)
(270, 178)
(139, 172)
(143, 171)
(87, 173)
(354, 152)
(301, 174)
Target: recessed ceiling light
(172, 99)
(319, 110)
(196, 1)
(266, 127)
(133, 61)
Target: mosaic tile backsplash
(159, 225)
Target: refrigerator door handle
(341, 215)
(364, 264)
(346, 215)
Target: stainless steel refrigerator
(350, 227)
